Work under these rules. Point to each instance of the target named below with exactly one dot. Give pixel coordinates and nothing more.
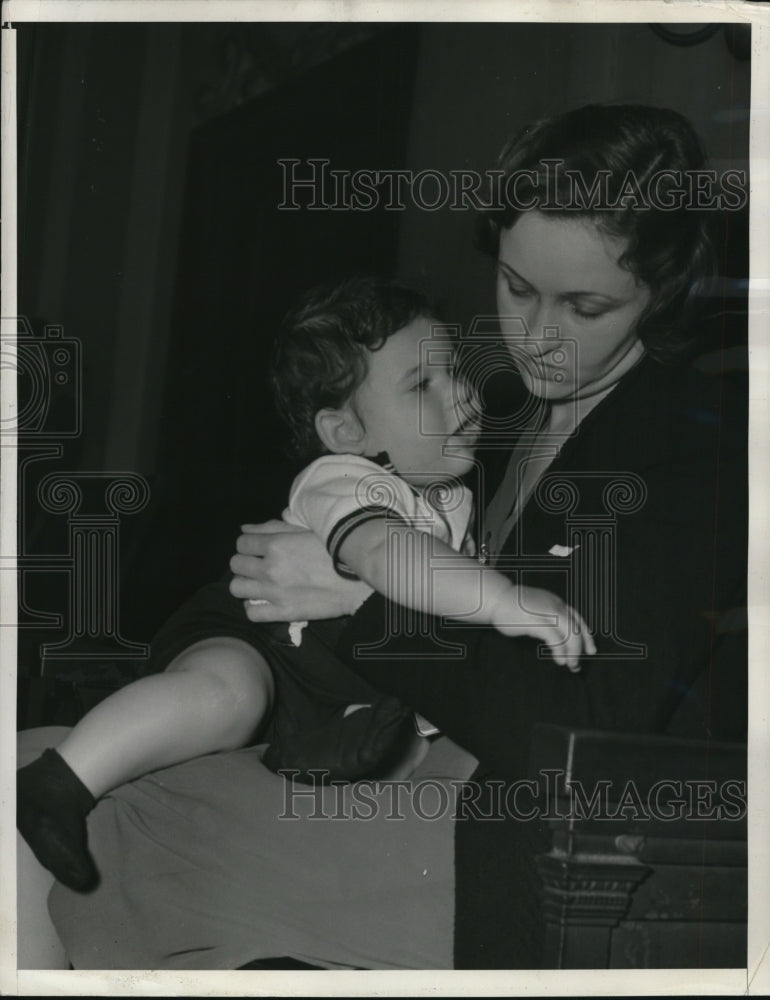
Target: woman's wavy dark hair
(668, 250)
(321, 352)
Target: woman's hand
(290, 569)
(568, 637)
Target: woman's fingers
(263, 611)
(262, 555)
(252, 545)
(259, 539)
(252, 580)
(261, 601)
(245, 588)
(249, 567)
(272, 527)
(290, 568)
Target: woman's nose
(541, 321)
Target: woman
(595, 300)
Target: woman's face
(568, 310)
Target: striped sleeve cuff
(349, 523)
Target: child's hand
(568, 637)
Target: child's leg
(211, 698)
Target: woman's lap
(205, 866)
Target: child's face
(415, 408)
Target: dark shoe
(365, 743)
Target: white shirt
(337, 493)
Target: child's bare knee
(236, 676)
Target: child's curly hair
(321, 353)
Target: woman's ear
(340, 431)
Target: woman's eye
(517, 291)
(587, 313)
(421, 386)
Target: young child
(368, 385)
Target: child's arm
(421, 572)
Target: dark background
(149, 231)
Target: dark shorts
(312, 680)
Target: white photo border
(755, 980)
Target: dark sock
(363, 744)
(52, 805)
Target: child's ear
(340, 431)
